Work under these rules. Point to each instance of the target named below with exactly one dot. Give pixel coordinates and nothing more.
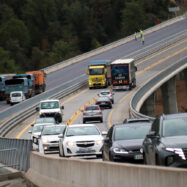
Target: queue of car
(161, 142)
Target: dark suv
(166, 143)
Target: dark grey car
(124, 142)
(92, 113)
(166, 144)
(104, 102)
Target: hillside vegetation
(37, 33)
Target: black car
(124, 142)
(166, 143)
(104, 102)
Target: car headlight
(70, 143)
(120, 150)
(99, 142)
(177, 151)
(45, 140)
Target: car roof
(59, 125)
(136, 120)
(173, 116)
(48, 100)
(41, 124)
(132, 124)
(16, 92)
(81, 125)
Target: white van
(16, 97)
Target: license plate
(85, 150)
(138, 157)
(35, 140)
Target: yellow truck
(99, 73)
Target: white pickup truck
(51, 108)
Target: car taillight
(96, 103)
(108, 101)
(110, 95)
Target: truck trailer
(39, 81)
(99, 73)
(123, 74)
(2, 88)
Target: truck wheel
(58, 118)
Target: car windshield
(130, 133)
(45, 120)
(103, 98)
(16, 95)
(38, 128)
(50, 105)
(54, 130)
(98, 71)
(92, 108)
(175, 127)
(105, 93)
(82, 131)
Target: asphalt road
(63, 75)
(147, 69)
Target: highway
(64, 75)
(147, 69)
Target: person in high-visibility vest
(142, 39)
(141, 33)
(135, 36)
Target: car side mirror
(62, 107)
(37, 108)
(106, 140)
(61, 136)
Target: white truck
(123, 74)
(51, 108)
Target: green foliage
(6, 63)
(38, 33)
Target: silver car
(92, 113)
(104, 102)
(50, 137)
(107, 93)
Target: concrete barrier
(49, 171)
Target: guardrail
(15, 153)
(145, 91)
(109, 46)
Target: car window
(16, 95)
(105, 93)
(45, 120)
(49, 105)
(130, 133)
(175, 127)
(55, 130)
(81, 131)
(92, 108)
(38, 128)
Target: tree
(6, 63)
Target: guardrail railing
(152, 85)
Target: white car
(16, 97)
(50, 137)
(81, 140)
(36, 132)
(107, 93)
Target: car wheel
(84, 121)
(101, 120)
(157, 160)
(99, 156)
(112, 101)
(110, 157)
(110, 106)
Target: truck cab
(98, 73)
